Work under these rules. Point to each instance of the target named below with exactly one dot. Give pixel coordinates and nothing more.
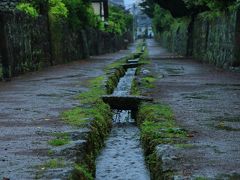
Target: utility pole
(134, 9)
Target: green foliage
(119, 21)
(210, 15)
(58, 8)
(212, 5)
(81, 172)
(81, 14)
(163, 21)
(164, 18)
(28, 9)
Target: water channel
(122, 158)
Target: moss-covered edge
(101, 124)
(156, 122)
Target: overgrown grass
(158, 126)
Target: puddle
(123, 157)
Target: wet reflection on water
(123, 157)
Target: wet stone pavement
(30, 106)
(206, 102)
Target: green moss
(201, 178)
(140, 44)
(50, 152)
(76, 117)
(134, 88)
(95, 114)
(114, 78)
(148, 81)
(223, 126)
(81, 172)
(58, 142)
(116, 64)
(158, 126)
(53, 164)
(184, 146)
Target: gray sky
(129, 2)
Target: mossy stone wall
(34, 43)
(214, 41)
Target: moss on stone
(53, 164)
(157, 124)
(81, 173)
(148, 81)
(58, 142)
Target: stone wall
(176, 40)
(27, 42)
(213, 41)
(33, 43)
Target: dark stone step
(125, 102)
(132, 65)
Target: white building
(142, 23)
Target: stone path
(29, 111)
(206, 101)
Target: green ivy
(163, 21)
(58, 8)
(119, 20)
(80, 14)
(28, 9)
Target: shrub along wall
(28, 44)
(214, 41)
(176, 40)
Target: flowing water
(122, 158)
